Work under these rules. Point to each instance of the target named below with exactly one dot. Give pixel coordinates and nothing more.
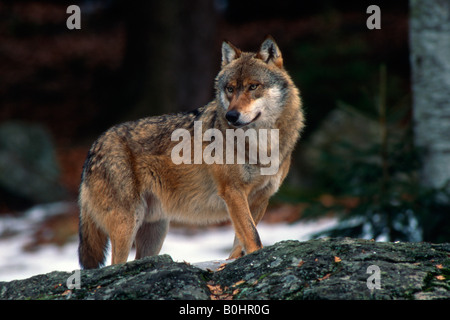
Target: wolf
(131, 188)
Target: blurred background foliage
(356, 160)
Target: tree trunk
(430, 62)
(169, 63)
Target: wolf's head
(252, 87)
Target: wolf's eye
(230, 89)
(253, 86)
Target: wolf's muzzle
(232, 116)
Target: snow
(204, 245)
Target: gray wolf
(131, 188)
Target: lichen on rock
(316, 269)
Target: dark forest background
(61, 88)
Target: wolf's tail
(93, 243)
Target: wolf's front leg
(258, 209)
(243, 223)
(237, 251)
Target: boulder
(328, 268)
(29, 169)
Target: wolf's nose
(232, 116)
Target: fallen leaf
(221, 267)
(440, 277)
(325, 277)
(300, 263)
(65, 293)
(439, 266)
(217, 293)
(235, 292)
(337, 259)
(238, 283)
(214, 289)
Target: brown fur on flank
(131, 189)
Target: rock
(151, 278)
(315, 269)
(337, 269)
(29, 169)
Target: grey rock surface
(315, 269)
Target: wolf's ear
(270, 53)
(229, 53)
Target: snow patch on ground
(204, 245)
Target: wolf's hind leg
(122, 232)
(150, 237)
